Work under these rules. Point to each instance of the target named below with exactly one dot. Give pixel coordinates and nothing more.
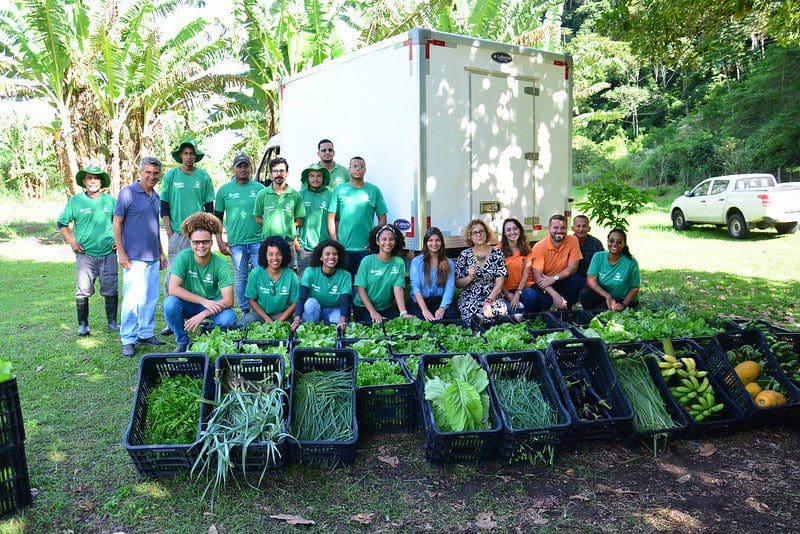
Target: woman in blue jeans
(433, 280)
(326, 288)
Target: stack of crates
(15, 490)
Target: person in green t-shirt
(352, 211)
(314, 228)
(92, 240)
(185, 190)
(326, 288)
(201, 286)
(272, 288)
(279, 208)
(613, 276)
(381, 278)
(237, 198)
(339, 174)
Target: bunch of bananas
(694, 391)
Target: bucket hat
(176, 154)
(93, 169)
(326, 176)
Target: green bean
(650, 412)
(323, 406)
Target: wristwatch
(556, 278)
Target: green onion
(323, 406)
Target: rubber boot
(82, 304)
(111, 313)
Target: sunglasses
(198, 242)
(326, 150)
(616, 241)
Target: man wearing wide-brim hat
(314, 228)
(185, 190)
(92, 240)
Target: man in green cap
(92, 240)
(185, 190)
(236, 199)
(314, 228)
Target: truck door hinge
(533, 91)
(532, 156)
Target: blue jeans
(314, 313)
(244, 258)
(139, 300)
(176, 311)
(527, 298)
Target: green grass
(77, 395)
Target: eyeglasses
(198, 242)
(477, 232)
(616, 241)
(326, 150)
(278, 171)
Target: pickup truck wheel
(679, 220)
(786, 228)
(737, 227)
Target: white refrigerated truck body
(451, 128)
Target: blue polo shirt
(140, 225)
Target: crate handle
(177, 360)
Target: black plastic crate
(517, 443)
(547, 318)
(587, 359)
(387, 408)
(731, 417)
(12, 428)
(254, 367)
(478, 446)
(239, 330)
(15, 488)
(721, 368)
(327, 454)
(674, 409)
(793, 339)
(740, 323)
(163, 460)
(574, 317)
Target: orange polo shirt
(552, 261)
(514, 268)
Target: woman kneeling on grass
(433, 280)
(381, 276)
(613, 276)
(272, 288)
(326, 288)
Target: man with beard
(279, 208)
(555, 265)
(92, 240)
(138, 242)
(338, 173)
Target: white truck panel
(448, 133)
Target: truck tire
(737, 227)
(786, 228)
(679, 220)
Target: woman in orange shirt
(516, 252)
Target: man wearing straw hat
(92, 240)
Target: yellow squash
(769, 398)
(747, 371)
(753, 389)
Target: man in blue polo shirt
(140, 255)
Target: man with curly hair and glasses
(201, 285)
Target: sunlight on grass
(673, 520)
(152, 489)
(56, 455)
(14, 525)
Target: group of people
(321, 254)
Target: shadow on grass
(724, 293)
(710, 232)
(44, 232)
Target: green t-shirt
(356, 209)
(275, 296)
(378, 278)
(279, 212)
(204, 280)
(315, 226)
(339, 175)
(186, 194)
(94, 228)
(237, 201)
(328, 290)
(617, 279)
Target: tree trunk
(68, 158)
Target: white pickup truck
(741, 202)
